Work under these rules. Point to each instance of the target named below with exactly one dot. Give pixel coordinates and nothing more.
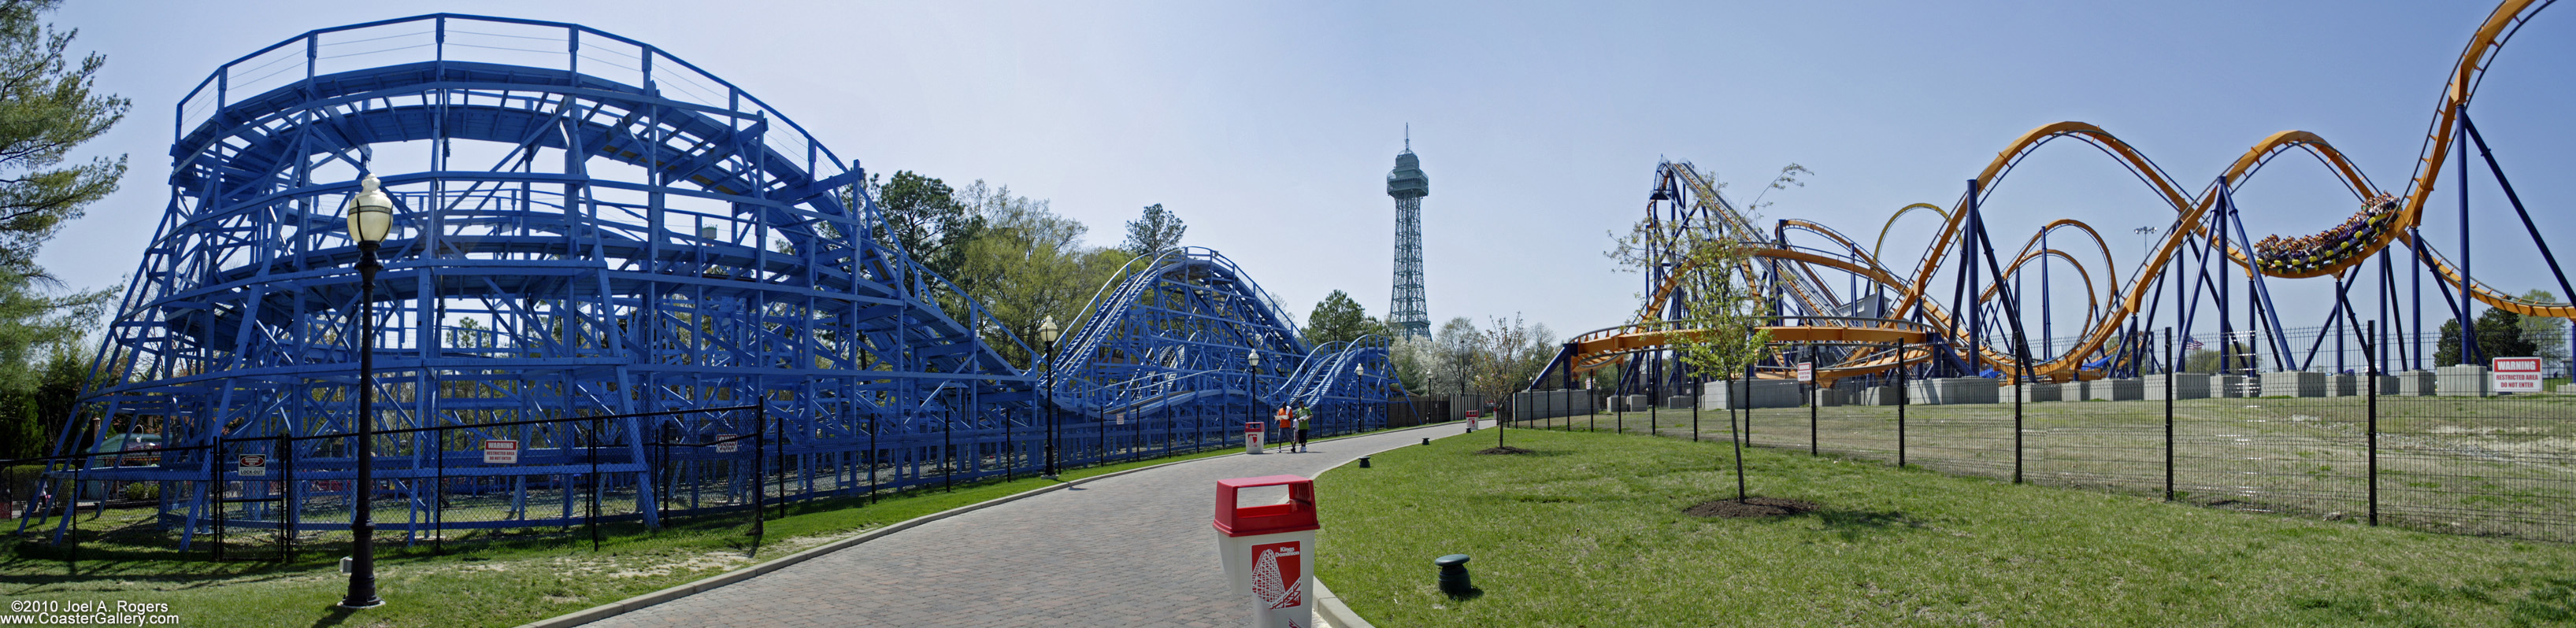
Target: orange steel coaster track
(1684, 197)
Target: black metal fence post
(293, 513)
(214, 492)
(782, 460)
(759, 485)
(2021, 380)
(2372, 413)
(1901, 400)
(593, 517)
(438, 495)
(947, 453)
(2169, 413)
(1748, 404)
(873, 426)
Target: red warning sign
(1277, 571)
(500, 451)
(2517, 375)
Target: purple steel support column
(2415, 245)
(2468, 326)
(2564, 289)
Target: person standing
(1302, 414)
(1286, 415)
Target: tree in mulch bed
(1715, 292)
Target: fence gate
(247, 481)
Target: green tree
(924, 217)
(2547, 335)
(2240, 357)
(33, 413)
(1339, 319)
(1412, 359)
(1154, 231)
(1713, 277)
(1025, 263)
(2500, 335)
(1457, 348)
(1514, 351)
(47, 109)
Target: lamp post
(1252, 375)
(1359, 373)
(1047, 334)
(371, 218)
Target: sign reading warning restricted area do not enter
(500, 451)
(2517, 375)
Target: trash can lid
(1297, 515)
(1451, 560)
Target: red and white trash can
(1252, 431)
(1268, 550)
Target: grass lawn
(1589, 531)
(505, 579)
(2500, 466)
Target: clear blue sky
(1269, 127)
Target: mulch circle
(1752, 508)
(1506, 449)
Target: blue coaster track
(590, 227)
(1174, 337)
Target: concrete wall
(2294, 384)
(2343, 385)
(2462, 381)
(2034, 393)
(2115, 390)
(2234, 386)
(1767, 393)
(2413, 384)
(2185, 386)
(1952, 390)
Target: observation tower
(1407, 317)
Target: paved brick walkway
(1133, 550)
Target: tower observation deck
(1407, 317)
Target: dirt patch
(1506, 449)
(1752, 508)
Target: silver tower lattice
(1408, 317)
